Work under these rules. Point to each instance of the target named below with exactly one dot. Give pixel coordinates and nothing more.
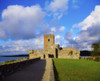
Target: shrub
(96, 49)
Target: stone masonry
(52, 50)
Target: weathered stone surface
(52, 50)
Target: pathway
(33, 72)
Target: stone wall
(36, 53)
(55, 53)
(48, 41)
(13, 67)
(52, 50)
(68, 53)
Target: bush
(96, 49)
(96, 58)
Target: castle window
(48, 39)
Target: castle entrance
(44, 56)
(50, 56)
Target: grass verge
(76, 70)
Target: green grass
(76, 70)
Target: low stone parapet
(13, 67)
(49, 72)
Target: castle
(52, 50)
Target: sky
(75, 23)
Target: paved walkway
(46, 76)
(33, 72)
(49, 72)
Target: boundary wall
(13, 67)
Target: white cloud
(89, 31)
(20, 22)
(53, 29)
(21, 46)
(91, 20)
(74, 4)
(62, 28)
(60, 40)
(69, 36)
(57, 29)
(60, 16)
(90, 27)
(57, 8)
(58, 37)
(58, 5)
(47, 29)
(39, 42)
(77, 42)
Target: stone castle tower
(52, 50)
(48, 41)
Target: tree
(96, 49)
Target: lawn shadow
(56, 75)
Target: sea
(84, 56)
(3, 59)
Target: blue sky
(75, 23)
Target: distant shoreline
(14, 55)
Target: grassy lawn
(76, 70)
